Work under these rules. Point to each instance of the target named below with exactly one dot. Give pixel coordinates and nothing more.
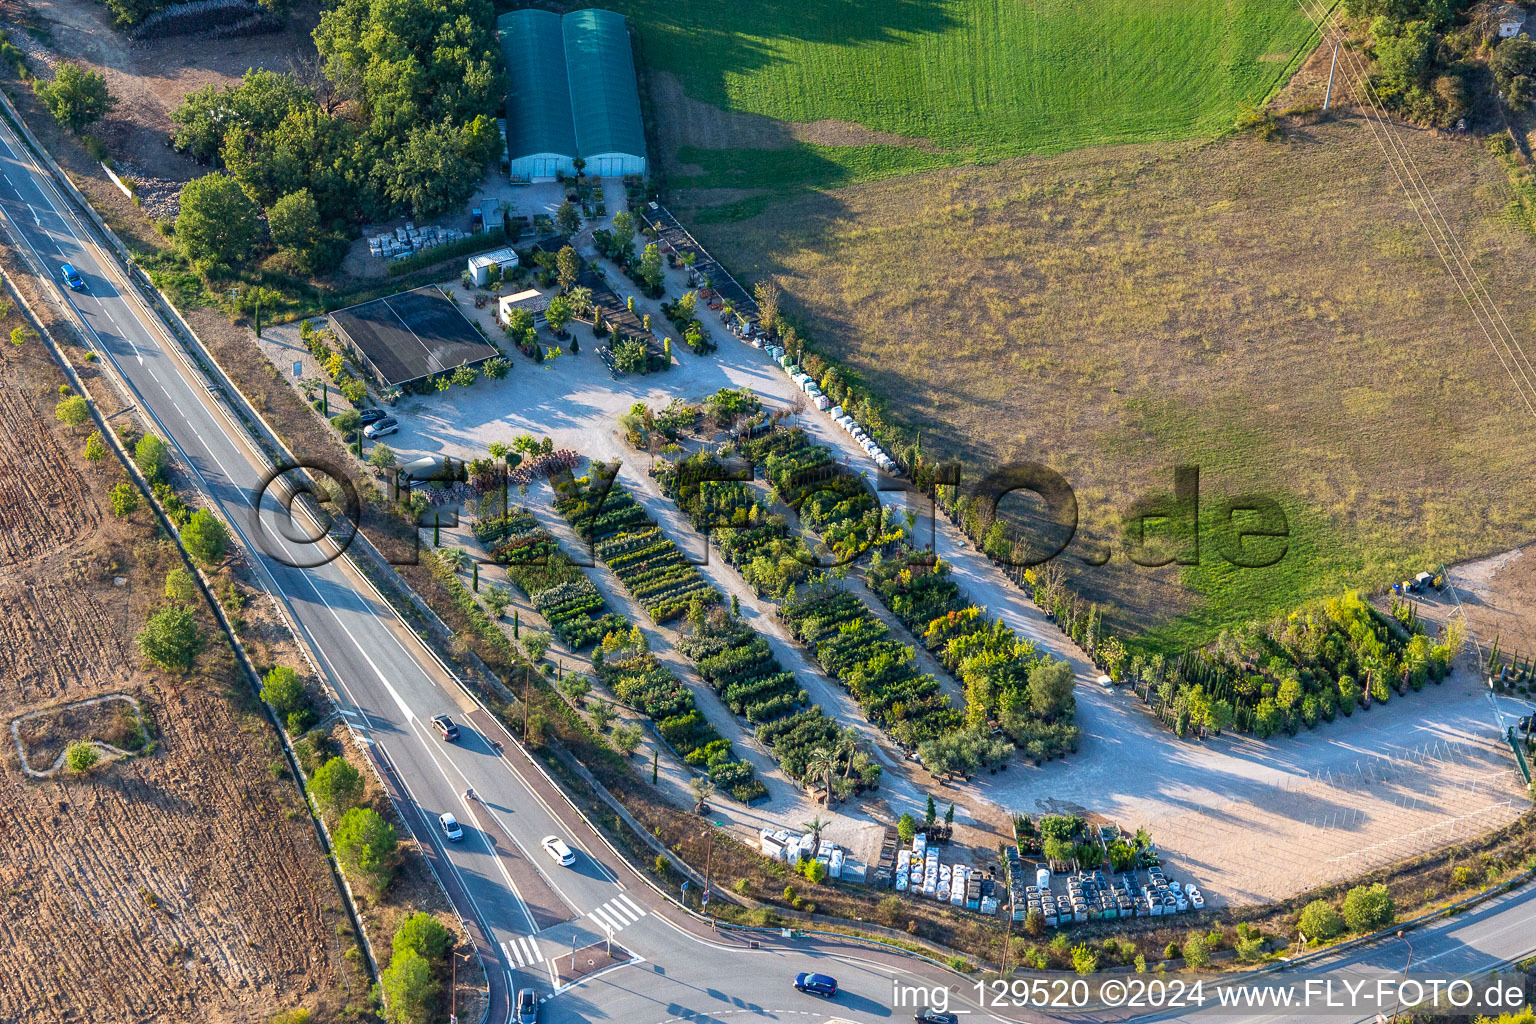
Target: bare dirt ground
(151, 77)
(185, 884)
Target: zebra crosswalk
(617, 914)
(523, 951)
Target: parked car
(558, 851)
(527, 1006)
(451, 828)
(72, 277)
(816, 984)
(368, 416)
(935, 1017)
(387, 425)
(445, 727)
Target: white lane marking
(538, 953)
(531, 949)
(177, 406)
(631, 904)
(512, 953)
(108, 310)
(35, 219)
(607, 923)
(405, 709)
(613, 909)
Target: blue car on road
(816, 984)
(72, 277)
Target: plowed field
(182, 885)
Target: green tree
(1319, 920)
(76, 97)
(217, 224)
(337, 786)
(410, 988)
(651, 266)
(180, 586)
(125, 499)
(424, 935)
(629, 356)
(436, 165)
(258, 104)
(1197, 951)
(568, 219)
(1367, 908)
(1514, 68)
(1085, 960)
(294, 221)
(381, 457)
(1404, 53)
(623, 229)
(366, 844)
(95, 447)
(558, 314)
(568, 268)
(282, 688)
(152, 455)
(906, 828)
(81, 756)
(1050, 688)
(171, 639)
(19, 336)
(626, 738)
(72, 411)
(205, 536)
(536, 644)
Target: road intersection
(535, 924)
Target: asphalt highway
(537, 924)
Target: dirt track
(184, 885)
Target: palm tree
(581, 299)
(820, 766)
(814, 827)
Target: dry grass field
(1269, 311)
(185, 884)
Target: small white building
(504, 259)
(1511, 20)
(533, 300)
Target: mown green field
(977, 79)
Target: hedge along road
(388, 684)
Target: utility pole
(1328, 96)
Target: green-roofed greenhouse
(571, 93)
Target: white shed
(533, 300)
(505, 259)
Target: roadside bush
(151, 456)
(424, 935)
(72, 411)
(125, 499)
(1084, 959)
(171, 639)
(410, 988)
(1319, 920)
(81, 756)
(336, 785)
(1367, 908)
(1250, 951)
(180, 586)
(217, 224)
(367, 844)
(282, 688)
(95, 447)
(76, 97)
(1196, 951)
(205, 537)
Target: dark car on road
(368, 416)
(527, 1006)
(935, 1017)
(816, 984)
(72, 277)
(445, 727)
